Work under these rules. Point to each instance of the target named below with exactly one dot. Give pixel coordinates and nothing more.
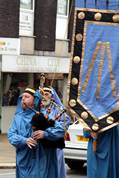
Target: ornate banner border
(81, 16)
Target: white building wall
(7, 116)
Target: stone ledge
(7, 165)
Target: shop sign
(10, 46)
(35, 64)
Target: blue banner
(94, 74)
(98, 4)
(80, 3)
(106, 37)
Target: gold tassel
(94, 144)
(94, 136)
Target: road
(81, 173)
(10, 173)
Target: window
(26, 4)
(62, 7)
(13, 85)
(62, 19)
(26, 17)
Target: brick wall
(9, 18)
(45, 24)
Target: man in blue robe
(64, 119)
(104, 161)
(33, 160)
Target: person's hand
(31, 142)
(94, 135)
(39, 134)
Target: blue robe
(65, 121)
(38, 162)
(61, 164)
(104, 163)
(60, 152)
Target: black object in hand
(40, 122)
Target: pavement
(7, 153)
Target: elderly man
(51, 110)
(33, 160)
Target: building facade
(34, 40)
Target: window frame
(28, 10)
(30, 14)
(66, 8)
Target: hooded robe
(105, 161)
(65, 121)
(38, 162)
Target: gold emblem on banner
(81, 15)
(115, 18)
(110, 120)
(76, 59)
(95, 127)
(84, 115)
(72, 102)
(79, 37)
(74, 81)
(98, 16)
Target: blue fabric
(37, 99)
(106, 101)
(113, 4)
(56, 98)
(80, 3)
(61, 164)
(104, 163)
(65, 121)
(37, 162)
(19, 106)
(60, 153)
(91, 4)
(101, 4)
(98, 4)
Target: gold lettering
(102, 46)
(26, 61)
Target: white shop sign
(35, 64)
(10, 46)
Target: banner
(98, 4)
(94, 72)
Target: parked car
(75, 151)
